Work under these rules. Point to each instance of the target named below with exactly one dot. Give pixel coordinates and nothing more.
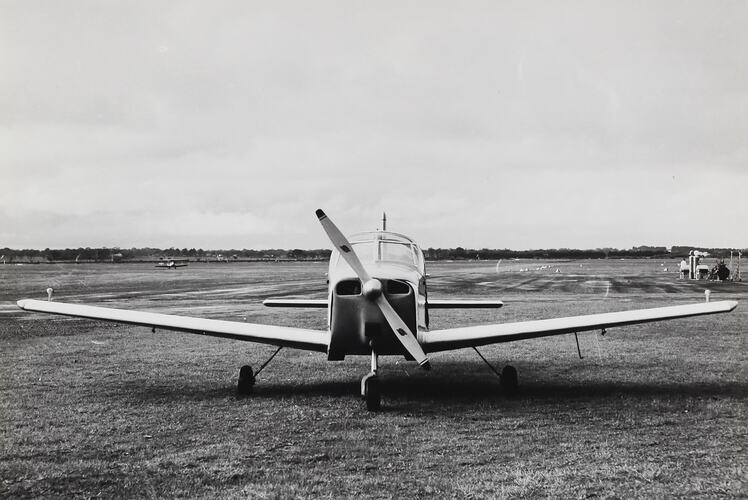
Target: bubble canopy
(384, 247)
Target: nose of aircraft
(372, 289)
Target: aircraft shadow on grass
(488, 390)
(409, 392)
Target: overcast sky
(497, 124)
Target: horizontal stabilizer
(464, 304)
(312, 303)
(312, 340)
(473, 336)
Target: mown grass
(90, 409)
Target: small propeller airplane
(377, 305)
(170, 263)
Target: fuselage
(356, 324)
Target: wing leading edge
(473, 336)
(300, 338)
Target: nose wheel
(370, 389)
(371, 392)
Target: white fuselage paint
(356, 325)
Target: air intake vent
(348, 287)
(397, 288)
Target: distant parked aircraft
(171, 263)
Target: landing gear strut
(370, 386)
(247, 377)
(508, 379)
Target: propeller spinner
(372, 290)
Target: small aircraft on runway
(377, 305)
(169, 263)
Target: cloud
(486, 125)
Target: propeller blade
(402, 332)
(343, 246)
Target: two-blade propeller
(372, 290)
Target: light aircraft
(377, 305)
(171, 263)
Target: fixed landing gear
(247, 377)
(246, 381)
(372, 394)
(370, 390)
(509, 380)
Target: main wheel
(246, 381)
(372, 394)
(509, 382)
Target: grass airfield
(97, 409)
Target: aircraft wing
(313, 303)
(300, 338)
(464, 304)
(473, 336)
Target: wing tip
(723, 305)
(320, 214)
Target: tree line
(640, 252)
(116, 254)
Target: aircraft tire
(372, 394)
(246, 381)
(509, 379)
